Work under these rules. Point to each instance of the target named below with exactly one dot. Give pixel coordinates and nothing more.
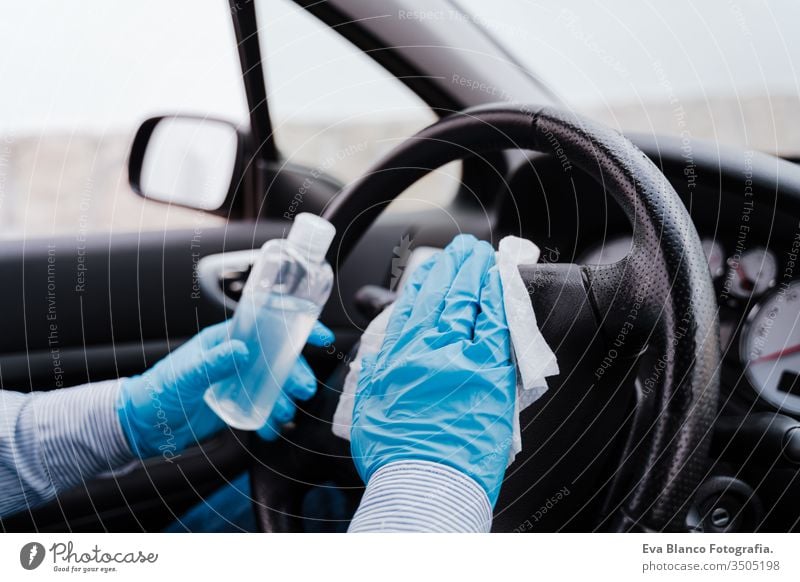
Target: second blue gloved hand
(443, 386)
(162, 411)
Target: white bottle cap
(312, 235)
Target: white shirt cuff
(79, 432)
(421, 496)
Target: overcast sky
(106, 65)
(610, 50)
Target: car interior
(690, 422)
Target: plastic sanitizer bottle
(284, 294)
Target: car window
(333, 108)
(719, 69)
(75, 92)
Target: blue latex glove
(442, 388)
(162, 411)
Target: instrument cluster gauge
(607, 252)
(753, 274)
(770, 348)
(715, 255)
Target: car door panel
(103, 308)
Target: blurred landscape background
(79, 77)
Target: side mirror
(188, 161)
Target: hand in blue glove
(442, 388)
(162, 411)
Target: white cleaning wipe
(534, 359)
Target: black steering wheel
(655, 307)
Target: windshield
(723, 70)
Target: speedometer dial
(770, 348)
(753, 273)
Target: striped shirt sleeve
(52, 441)
(421, 496)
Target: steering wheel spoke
(556, 289)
